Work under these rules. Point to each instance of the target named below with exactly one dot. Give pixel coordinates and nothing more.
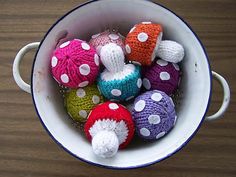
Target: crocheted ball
(79, 102)
(154, 114)
(120, 86)
(75, 64)
(109, 127)
(161, 75)
(141, 42)
(106, 37)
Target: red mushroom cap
(111, 111)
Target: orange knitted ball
(142, 42)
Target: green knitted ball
(79, 102)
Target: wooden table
(27, 150)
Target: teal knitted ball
(121, 86)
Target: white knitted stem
(105, 144)
(170, 51)
(112, 57)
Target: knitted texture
(75, 64)
(114, 113)
(121, 86)
(105, 144)
(101, 39)
(142, 42)
(170, 51)
(161, 75)
(79, 102)
(154, 114)
(112, 57)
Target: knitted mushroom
(109, 127)
(101, 39)
(144, 43)
(75, 64)
(154, 115)
(79, 102)
(161, 75)
(119, 81)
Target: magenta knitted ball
(161, 75)
(101, 39)
(75, 64)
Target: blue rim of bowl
(129, 167)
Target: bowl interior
(96, 17)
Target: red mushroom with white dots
(109, 127)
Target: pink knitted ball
(161, 75)
(75, 64)
(101, 39)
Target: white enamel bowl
(96, 16)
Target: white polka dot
(160, 135)
(85, 46)
(80, 93)
(95, 35)
(64, 44)
(154, 119)
(162, 62)
(83, 113)
(64, 78)
(139, 83)
(164, 76)
(96, 59)
(113, 36)
(142, 37)
(144, 132)
(113, 106)
(140, 105)
(116, 92)
(146, 83)
(98, 49)
(84, 69)
(156, 97)
(84, 84)
(175, 120)
(146, 23)
(132, 29)
(176, 66)
(95, 99)
(127, 48)
(136, 63)
(54, 61)
(129, 98)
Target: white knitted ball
(105, 144)
(170, 51)
(112, 57)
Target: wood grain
(27, 150)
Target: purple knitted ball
(162, 75)
(154, 114)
